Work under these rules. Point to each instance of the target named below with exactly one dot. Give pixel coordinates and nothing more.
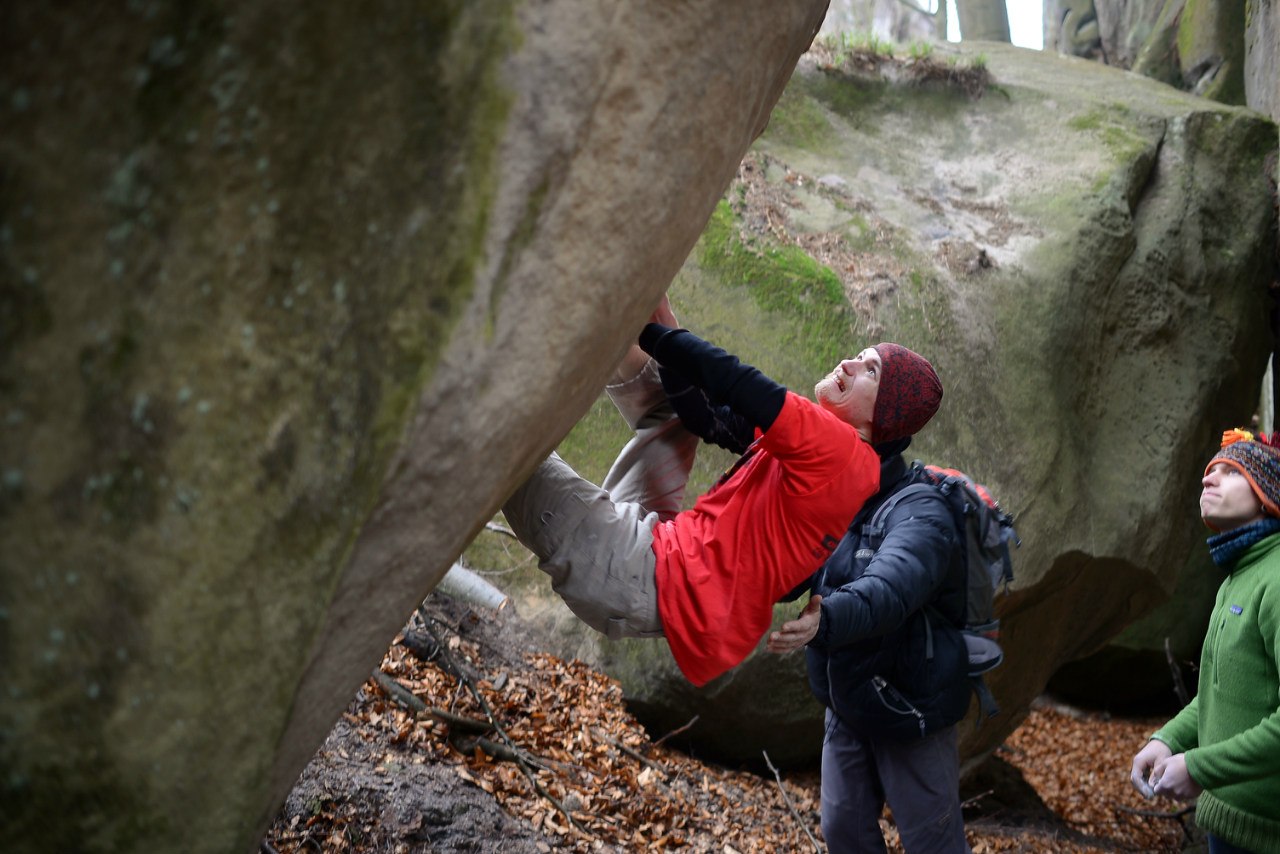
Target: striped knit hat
(1258, 459)
(909, 393)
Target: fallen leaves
(1079, 765)
(603, 784)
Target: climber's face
(849, 391)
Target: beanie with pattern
(1257, 457)
(908, 396)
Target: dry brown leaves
(1079, 765)
(600, 765)
(603, 784)
(612, 787)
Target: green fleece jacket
(1230, 732)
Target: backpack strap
(874, 530)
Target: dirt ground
(416, 765)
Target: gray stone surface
(1085, 255)
(1262, 57)
(292, 297)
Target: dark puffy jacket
(888, 657)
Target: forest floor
(469, 739)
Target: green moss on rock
(784, 281)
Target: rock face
(1184, 44)
(1085, 256)
(1224, 51)
(1262, 58)
(292, 298)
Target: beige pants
(596, 542)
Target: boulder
(293, 296)
(1085, 256)
(1224, 51)
(1262, 58)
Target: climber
(630, 563)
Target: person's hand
(664, 315)
(798, 632)
(1172, 780)
(1144, 763)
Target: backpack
(986, 531)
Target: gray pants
(919, 778)
(596, 542)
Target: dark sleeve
(800, 589)
(905, 574)
(716, 425)
(725, 380)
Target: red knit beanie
(909, 393)
(1258, 459)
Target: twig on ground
(973, 802)
(1179, 687)
(634, 754)
(693, 720)
(1179, 815)
(787, 799)
(422, 649)
(522, 760)
(497, 751)
(424, 617)
(460, 723)
(397, 692)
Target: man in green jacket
(1224, 747)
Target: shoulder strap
(874, 530)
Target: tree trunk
(983, 20)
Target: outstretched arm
(715, 425)
(797, 633)
(725, 380)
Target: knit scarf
(1226, 548)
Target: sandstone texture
(293, 296)
(1083, 253)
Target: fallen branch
(497, 751)
(397, 692)
(1179, 687)
(1179, 815)
(691, 722)
(460, 723)
(449, 662)
(521, 759)
(462, 583)
(423, 648)
(787, 799)
(634, 754)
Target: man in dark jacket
(886, 657)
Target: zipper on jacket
(882, 686)
(831, 691)
(1222, 624)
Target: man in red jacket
(629, 563)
